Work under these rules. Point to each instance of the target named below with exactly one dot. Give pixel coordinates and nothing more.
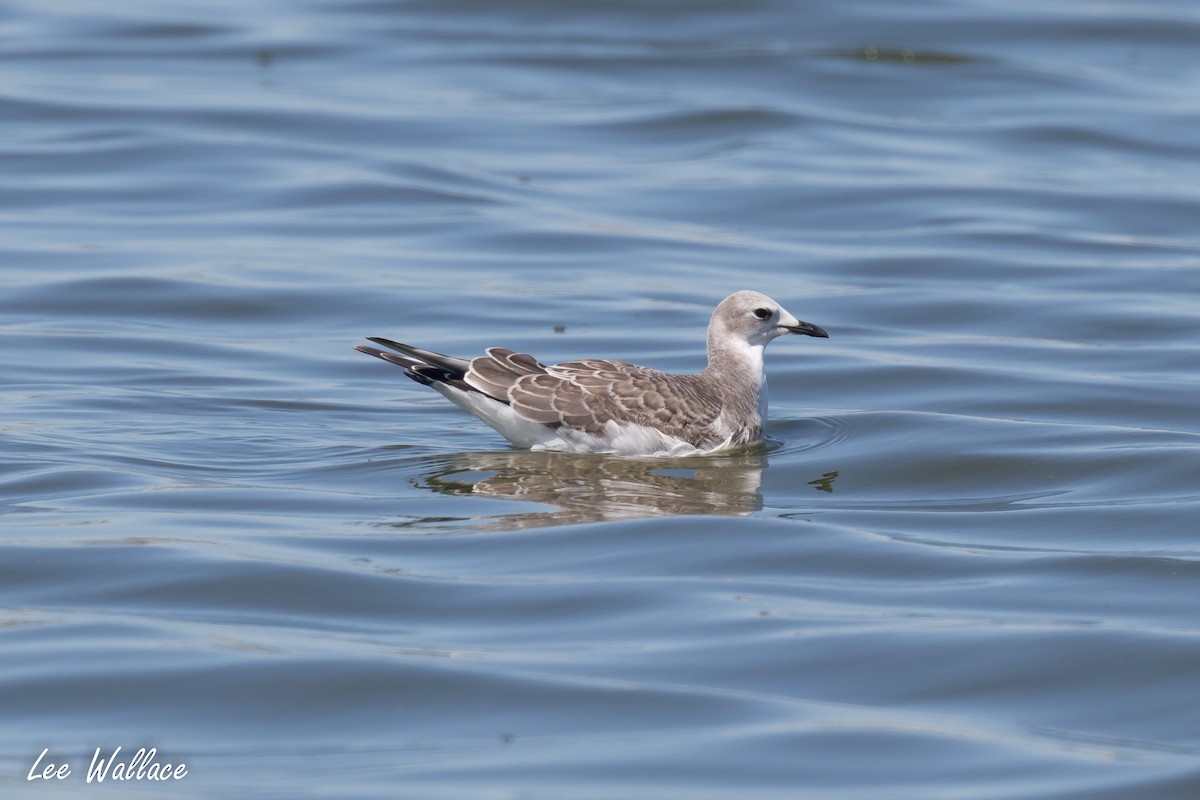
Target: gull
(605, 406)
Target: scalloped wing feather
(591, 395)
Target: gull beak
(806, 328)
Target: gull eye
(762, 313)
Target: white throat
(749, 359)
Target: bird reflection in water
(592, 488)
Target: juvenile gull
(604, 406)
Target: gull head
(755, 319)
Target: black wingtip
(388, 343)
(373, 351)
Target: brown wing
(587, 394)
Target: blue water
(965, 564)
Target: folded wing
(589, 394)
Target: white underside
(617, 438)
(626, 440)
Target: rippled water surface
(965, 564)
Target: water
(965, 565)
